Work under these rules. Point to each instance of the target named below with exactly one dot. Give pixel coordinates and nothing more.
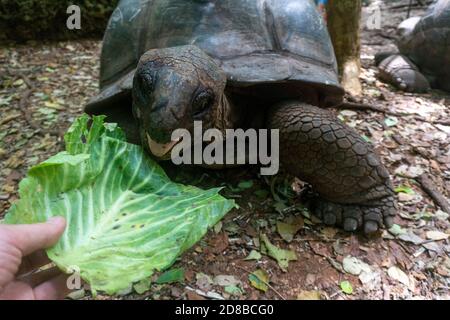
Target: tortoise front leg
(401, 72)
(353, 184)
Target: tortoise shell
(254, 41)
(426, 41)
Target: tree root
(428, 186)
(23, 106)
(368, 107)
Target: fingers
(33, 261)
(32, 237)
(29, 239)
(17, 290)
(54, 289)
(49, 285)
(37, 278)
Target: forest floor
(43, 88)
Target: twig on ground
(402, 6)
(428, 186)
(319, 240)
(360, 106)
(369, 107)
(386, 36)
(24, 104)
(10, 118)
(267, 284)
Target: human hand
(21, 252)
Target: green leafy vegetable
(125, 217)
(142, 286)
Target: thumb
(32, 237)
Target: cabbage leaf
(125, 217)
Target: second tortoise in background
(423, 61)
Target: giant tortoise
(243, 64)
(424, 58)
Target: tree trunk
(344, 18)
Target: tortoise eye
(202, 101)
(137, 113)
(146, 79)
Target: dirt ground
(43, 87)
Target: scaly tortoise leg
(354, 186)
(401, 72)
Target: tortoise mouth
(161, 150)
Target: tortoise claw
(352, 217)
(350, 224)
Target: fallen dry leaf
(398, 275)
(309, 295)
(437, 235)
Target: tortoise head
(172, 88)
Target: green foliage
(46, 19)
(171, 276)
(125, 217)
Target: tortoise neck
(225, 114)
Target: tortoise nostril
(174, 114)
(137, 113)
